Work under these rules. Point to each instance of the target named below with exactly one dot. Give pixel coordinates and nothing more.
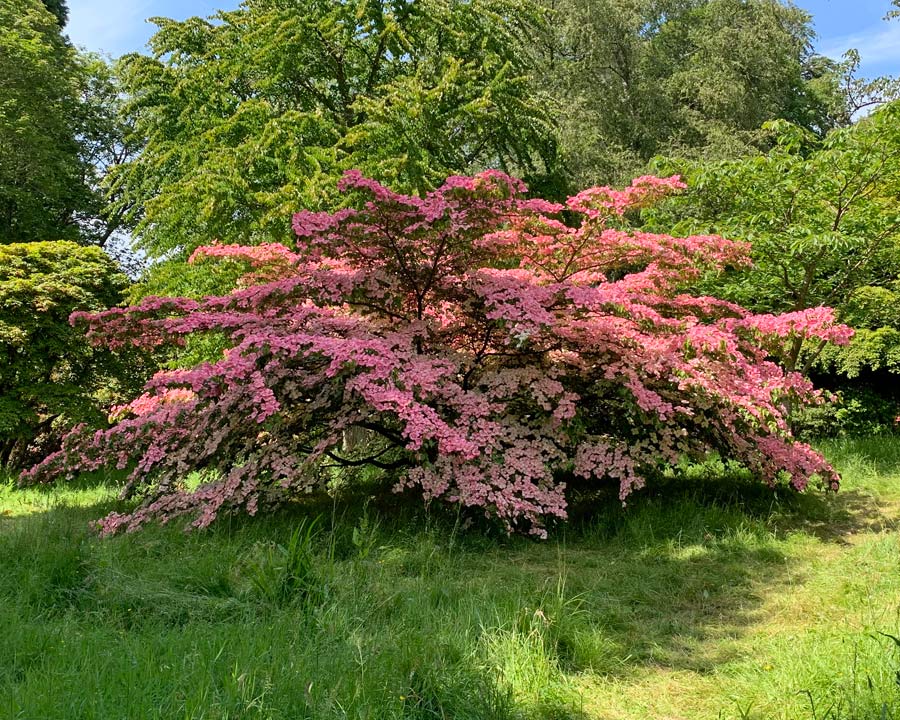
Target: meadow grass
(710, 598)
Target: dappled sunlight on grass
(16, 501)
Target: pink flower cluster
(147, 403)
(819, 322)
(599, 201)
(489, 346)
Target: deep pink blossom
(490, 346)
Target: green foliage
(59, 9)
(284, 573)
(852, 94)
(875, 313)
(857, 409)
(48, 373)
(176, 278)
(253, 114)
(106, 140)
(58, 131)
(39, 156)
(864, 374)
(869, 350)
(637, 78)
(823, 220)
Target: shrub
(489, 345)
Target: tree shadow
(842, 518)
(651, 595)
(678, 576)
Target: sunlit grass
(711, 600)
(26, 501)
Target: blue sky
(120, 26)
(116, 27)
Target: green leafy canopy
(637, 78)
(257, 111)
(59, 133)
(822, 217)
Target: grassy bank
(718, 600)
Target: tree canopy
(637, 78)
(246, 114)
(256, 110)
(59, 9)
(59, 131)
(39, 155)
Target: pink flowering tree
(489, 345)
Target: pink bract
(491, 346)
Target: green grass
(714, 599)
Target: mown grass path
(715, 600)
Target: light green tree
(823, 219)
(252, 114)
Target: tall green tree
(254, 113)
(40, 167)
(59, 131)
(106, 140)
(638, 78)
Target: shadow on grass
(650, 584)
(842, 518)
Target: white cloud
(879, 46)
(111, 26)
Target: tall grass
(711, 599)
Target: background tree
(50, 378)
(821, 215)
(637, 78)
(40, 167)
(852, 95)
(260, 109)
(106, 140)
(58, 131)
